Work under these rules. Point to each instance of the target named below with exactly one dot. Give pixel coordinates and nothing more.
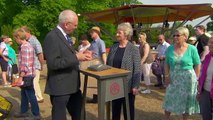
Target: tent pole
(186, 19)
(104, 31)
(202, 21)
(165, 17)
(133, 15)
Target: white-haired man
(63, 79)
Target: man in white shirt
(161, 48)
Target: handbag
(14, 68)
(156, 68)
(27, 82)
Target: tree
(9, 8)
(42, 15)
(210, 25)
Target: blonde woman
(146, 60)
(182, 69)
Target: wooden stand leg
(126, 98)
(108, 110)
(83, 112)
(101, 99)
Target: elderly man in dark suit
(63, 80)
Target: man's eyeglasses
(178, 35)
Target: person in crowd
(98, 49)
(4, 60)
(98, 46)
(182, 68)
(39, 59)
(73, 40)
(135, 43)
(146, 60)
(11, 59)
(63, 79)
(193, 40)
(85, 44)
(202, 41)
(26, 69)
(126, 56)
(205, 87)
(161, 49)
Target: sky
(194, 22)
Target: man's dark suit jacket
(63, 66)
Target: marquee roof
(148, 14)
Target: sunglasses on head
(178, 35)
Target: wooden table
(111, 85)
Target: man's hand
(84, 56)
(5, 58)
(198, 96)
(41, 67)
(162, 57)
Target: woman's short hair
(20, 33)
(3, 37)
(201, 27)
(126, 27)
(26, 29)
(183, 31)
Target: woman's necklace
(180, 50)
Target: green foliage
(28, 17)
(42, 16)
(191, 30)
(9, 8)
(7, 30)
(152, 36)
(210, 26)
(30, 2)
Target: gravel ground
(148, 106)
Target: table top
(106, 74)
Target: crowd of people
(179, 68)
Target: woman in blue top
(181, 71)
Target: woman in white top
(84, 44)
(146, 60)
(4, 60)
